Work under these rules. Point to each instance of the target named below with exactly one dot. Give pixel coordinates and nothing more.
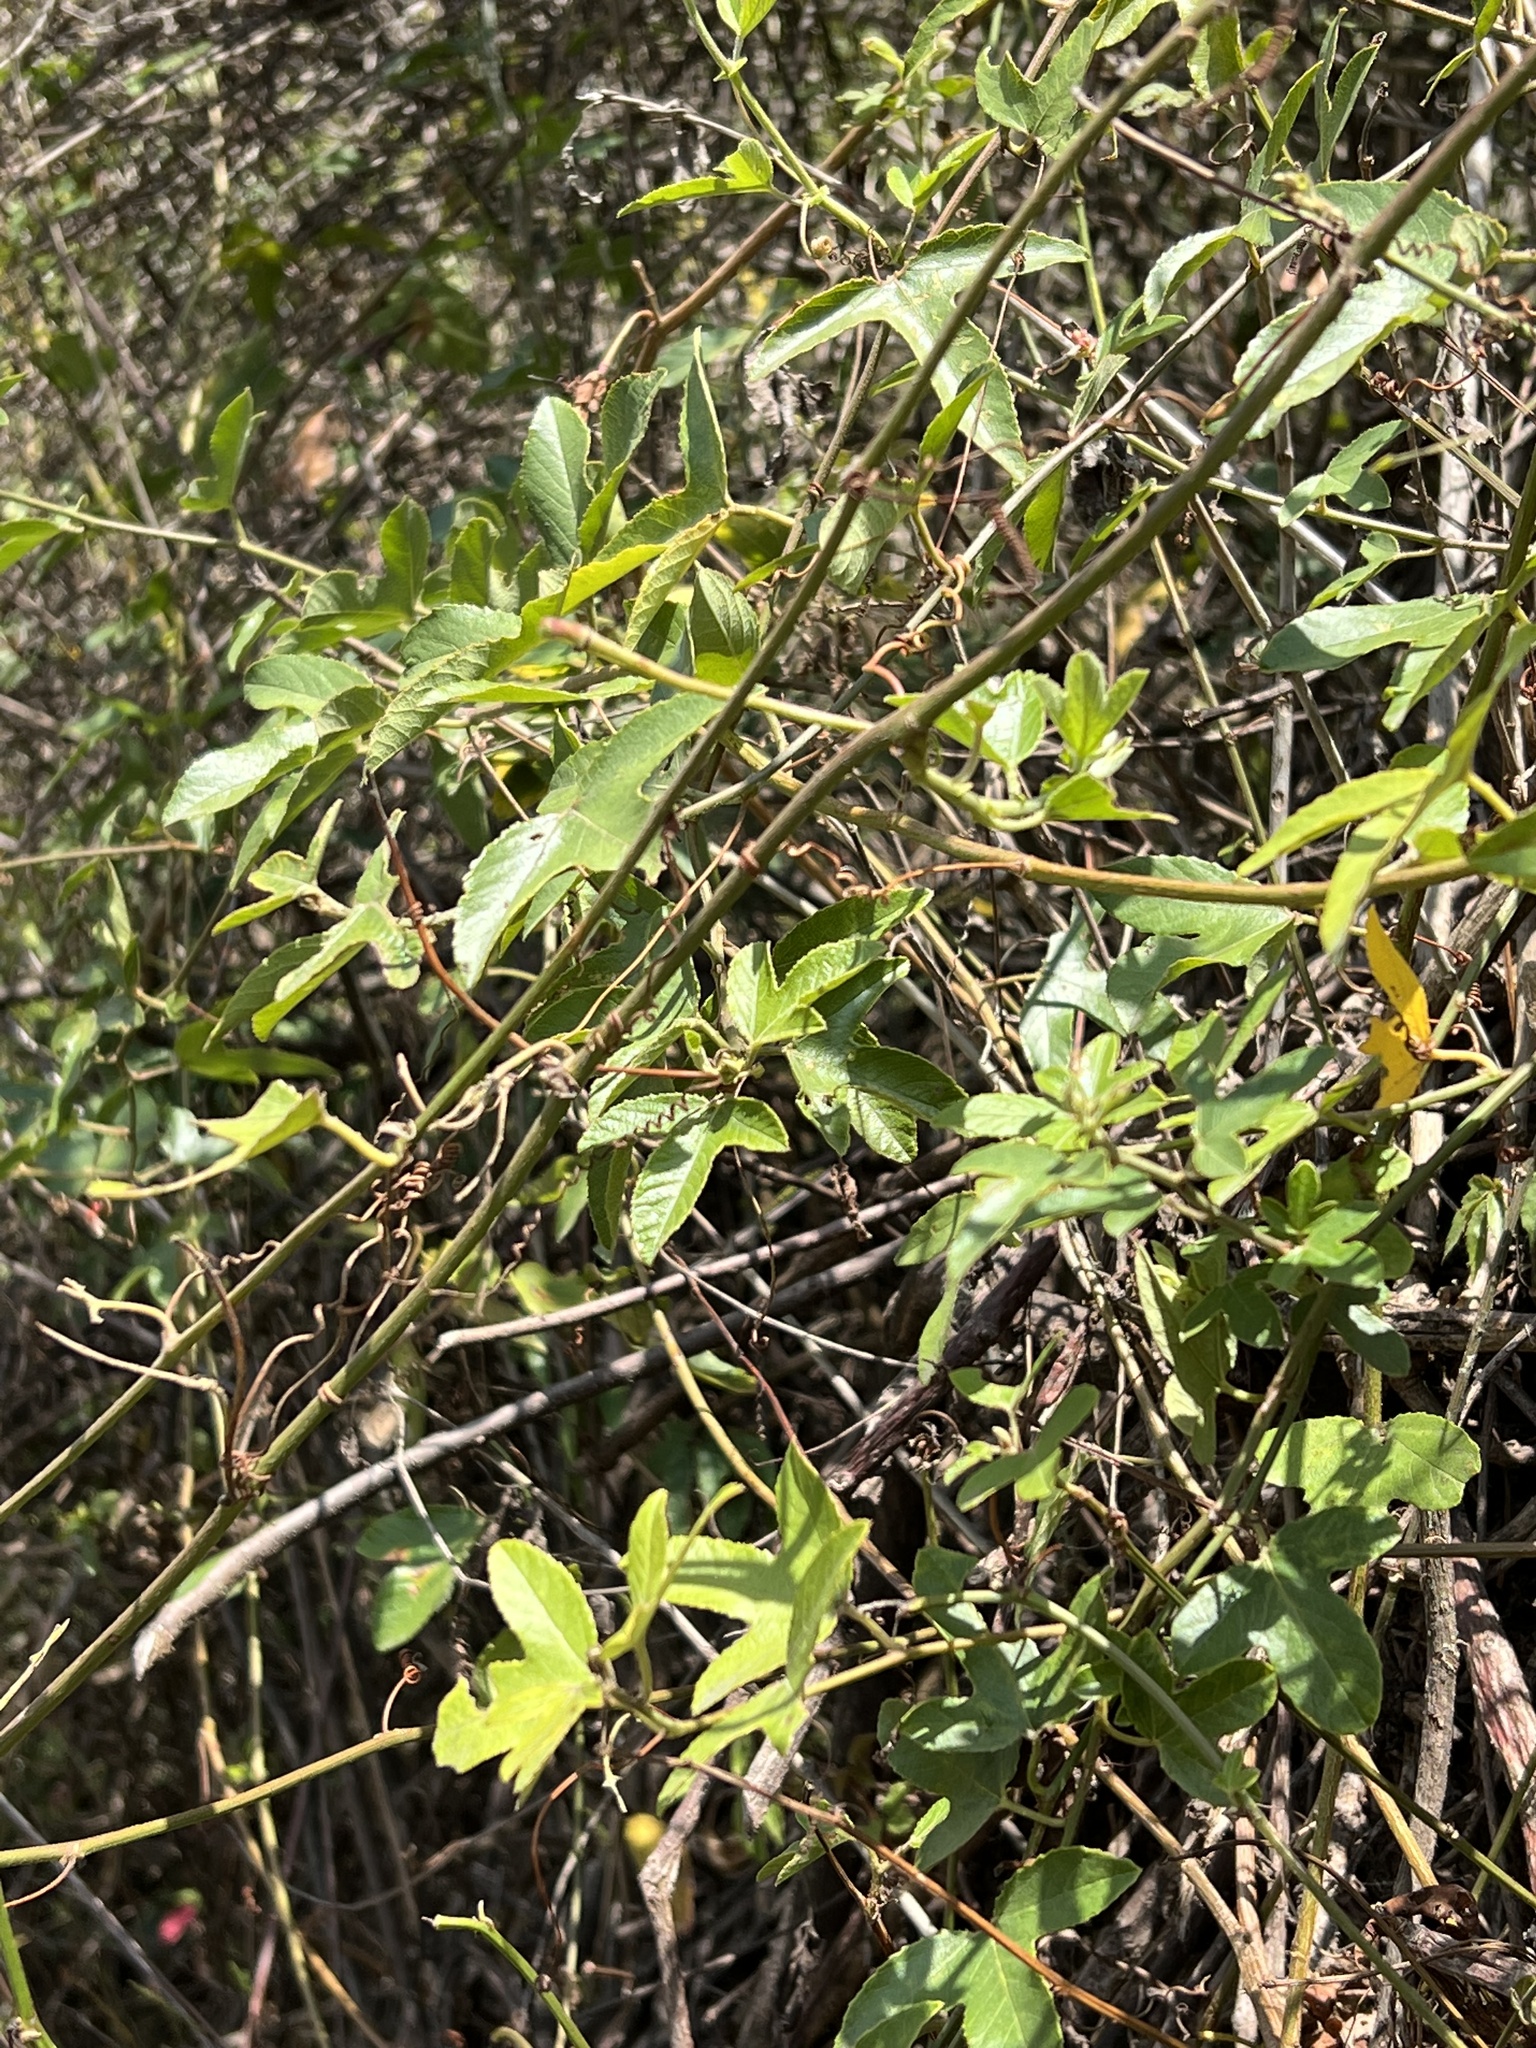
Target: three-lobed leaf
(1005, 2002)
(1338, 1461)
(1283, 1605)
(669, 1184)
(535, 1700)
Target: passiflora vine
(830, 1035)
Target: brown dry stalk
(1500, 1693)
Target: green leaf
(635, 1116)
(552, 482)
(819, 975)
(403, 542)
(938, 1579)
(404, 1538)
(965, 1755)
(1032, 1473)
(1508, 852)
(197, 1055)
(475, 561)
(748, 168)
(1345, 475)
(906, 1079)
(19, 537)
(722, 628)
(366, 924)
(625, 416)
(1183, 259)
(1340, 1462)
(1375, 310)
(627, 551)
(258, 986)
(333, 695)
(227, 444)
(607, 1179)
(290, 797)
(1443, 237)
(1436, 630)
(1084, 710)
(933, 25)
(1067, 985)
(304, 683)
(1231, 933)
(594, 807)
(872, 524)
(752, 999)
(787, 1600)
(1005, 2001)
(933, 1972)
(1044, 108)
(706, 490)
(821, 1064)
(219, 780)
(446, 656)
(1199, 1351)
(406, 1600)
(900, 2029)
(1216, 61)
(742, 16)
(1270, 1103)
(945, 423)
(670, 565)
(279, 1113)
(533, 1707)
(887, 1129)
(1333, 108)
(919, 190)
(1346, 805)
(1042, 516)
(462, 638)
(822, 1582)
(724, 1577)
(645, 1567)
(1284, 1607)
(1004, 718)
(708, 484)
(1020, 1186)
(1047, 108)
(867, 917)
(1280, 128)
(1064, 1888)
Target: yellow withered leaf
(1400, 1042)
(1395, 978)
(1401, 1068)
